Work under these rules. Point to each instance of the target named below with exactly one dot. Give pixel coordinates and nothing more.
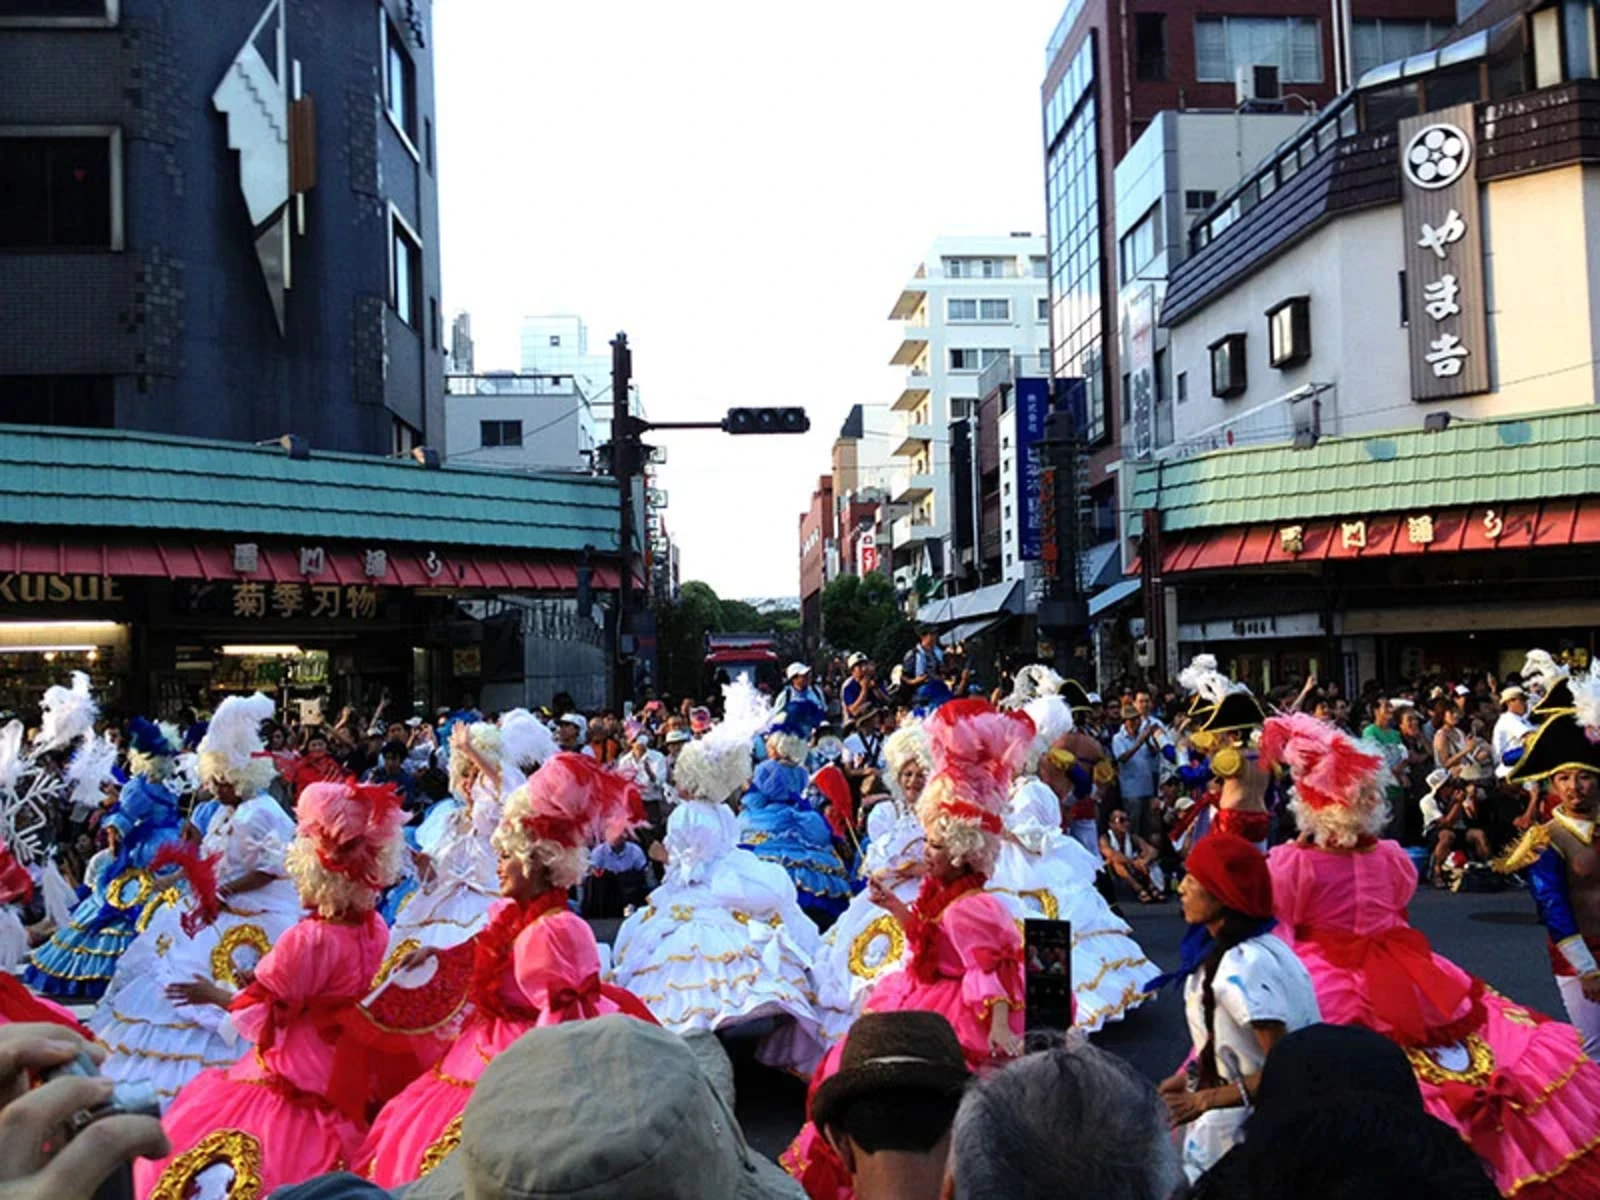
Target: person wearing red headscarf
(295, 1105)
(1246, 994)
(535, 964)
(965, 949)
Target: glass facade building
(1073, 204)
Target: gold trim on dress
(1526, 851)
(1046, 901)
(223, 969)
(163, 899)
(436, 1153)
(392, 960)
(883, 926)
(235, 1149)
(143, 878)
(1480, 1064)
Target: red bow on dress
(1397, 965)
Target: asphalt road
(1496, 937)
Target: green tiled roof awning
(1516, 459)
(123, 480)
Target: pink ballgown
(1516, 1085)
(966, 956)
(533, 965)
(296, 1105)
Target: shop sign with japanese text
(1443, 239)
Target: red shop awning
(1549, 524)
(181, 559)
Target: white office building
(519, 422)
(559, 345)
(974, 301)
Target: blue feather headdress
(148, 738)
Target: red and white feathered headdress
(976, 753)
(568, 804)
(1338, 783)
(353, 829)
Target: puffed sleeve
(1247, 986)
(557, 967)
(261, 834)
(1291, 893)
(297, 968)
(1547, 881)
(989, 945)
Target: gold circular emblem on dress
(143, 884)
(165, 898)
(436, 1153)
(1480, 1064)
(392, 960)
(223, 968)
(235, 1149)
(882, 927)
(1104, 772)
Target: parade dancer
(866, 942)
(1559, 857)
(1240, 1000)
(966, 950)
(778, 824)
(1516, 1086)
(1222, 715)
(1042, 872)
(296, 1104)
(535, 963)
(237, 908)
(79, 960)
(722, 943)
(454, 861)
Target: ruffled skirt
(442, 915)
(153, 1040)
(422, 1124)
(78, 962)
(820, 880)
(863, 946)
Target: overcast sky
(743, 187)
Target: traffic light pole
(628, 461)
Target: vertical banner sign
(1031, 404)
(866, 552)
(1142, 370)
(1444, 254)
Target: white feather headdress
(90, 767)
(10, 755)
(1203, 679)
(525, 740)
(1033, 681)
(68, 714)
(719, 764)
(232, 748)
(1542, 669)
(1586, 700)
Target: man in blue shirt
(923, 662)
(1138, 765)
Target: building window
(404, 438)
(60, 189)
(1227, 366)
(1039, 267)
(405, 271)
(1141, 244)
(1224, 44)
(1199, 200)
(555, 339)
(1150, 47)
(1384, 41)
(966, 359)
(24, 14)
(994, 310)
(433, 321)
(82, 401)
(427, 143)
(1044, 362)
(498, 435)
(399, 81)
(960, 310)
(1041, 308)
(1289, 332)
(1183, 386)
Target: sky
(744, 188)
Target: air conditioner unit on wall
(1256, 83)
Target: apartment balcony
(916, 391)
(910, 302)
(910, 531)
(912, 488)
(912, 348)
(915, 442)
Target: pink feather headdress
(1329, 767)
(352, 825)
(573, 800)
(978, 750)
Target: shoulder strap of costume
(1527, 850)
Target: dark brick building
(140, 289)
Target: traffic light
(766, 420)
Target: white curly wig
(703, 774)
(968, 843)
(787, 747)
(485, 739)
(907, 744)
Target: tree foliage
(681, 630)
(859, 613)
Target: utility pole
(625, 455)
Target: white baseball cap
(575, 719)
(1463, 690)
(795, 669)
(1512, 693)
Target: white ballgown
(866, 942)
(723, 942)
(454, 904)
(150, 1038)
(1043, 872)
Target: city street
(1494, 936)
